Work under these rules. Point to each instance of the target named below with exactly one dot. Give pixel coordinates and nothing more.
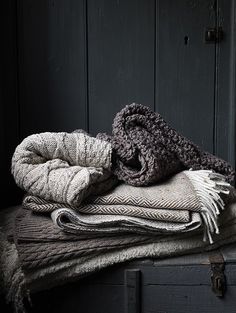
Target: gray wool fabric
(18, 283)
(74, 222)
(63, 167)
(40, 243)
(182, 203)
(147, 150)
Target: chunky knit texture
(63, 167)
(146, 149)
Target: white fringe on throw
(208, 186)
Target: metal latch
(218, 279)
(213, 35)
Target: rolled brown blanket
(147, 150)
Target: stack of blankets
(144, 191)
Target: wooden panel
(9, 113)
(120, 58)
(80, 298)
(52, 63)
(225, 83)
(132, 290)
(185, 68)
(172, 289)
(179, 299)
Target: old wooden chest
(196, 283)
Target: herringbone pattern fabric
(40, 243)
(170, 201)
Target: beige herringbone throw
(183, 203)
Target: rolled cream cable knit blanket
(63, 167)
(147, 150)
(182, 203)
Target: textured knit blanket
(146, 149)
(18, 282)
(63, 167)
(40, 243)
(182, 203)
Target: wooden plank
(77, 297)
(132, 290)
(9, 113)
(185, 68)
(179, 299)
(225, 83)
(177, 275)
(120, 58)
(159, 296)
(52, 65)
(229, 253)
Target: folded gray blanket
(63, 167)
(146, 149)
(182, 203)
(18, 284)
(40, 243)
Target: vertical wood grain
(9, 113)
(225, 117)
(74, 64)
(120, 58)
(132, 290)
(185, 68)
(52, 65)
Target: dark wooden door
(185, 68)
(78, 62)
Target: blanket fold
(147, 150)
(34, 277)
(183, 203)
(46, 245)
(145, 191)
(40, 243)
(63, 167)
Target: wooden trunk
(174, 285)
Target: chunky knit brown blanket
(146, 149)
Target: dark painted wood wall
(70, 64)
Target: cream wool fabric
(194, 198)
(182, 203)
(63, 167)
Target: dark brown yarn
(147, 150)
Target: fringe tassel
(208, 186)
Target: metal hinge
(213, 35)
(218, 279)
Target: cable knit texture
(63, 167)
(40, 243)
(18, 284)
(146, 149)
